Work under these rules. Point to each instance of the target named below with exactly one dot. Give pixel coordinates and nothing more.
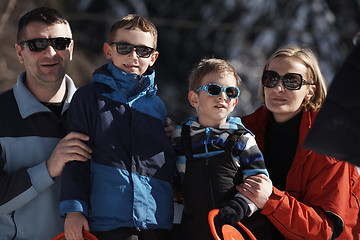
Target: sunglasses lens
(214, 90)
(60, 43)
(123, 48)
(143, 51)
(292, 81)
(37, 44)
(270, 79)
(232, 92)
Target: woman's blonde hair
(308, 58)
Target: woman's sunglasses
(291, 81)
(40, 44)
(126, 48)
(214, 90)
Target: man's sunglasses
(126, 48)
(214, 90)
(291, 81)
(40, 44)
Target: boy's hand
(257, 188)
(231, 212)
(75, 222)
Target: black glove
(232, 212)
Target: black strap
(232, 140)
(186, 141)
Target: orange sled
(86, 235)
(229, 232)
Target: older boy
(214, 147)
(128, 180)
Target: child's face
(213, 111)
(132, 62)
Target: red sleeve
(322, 211)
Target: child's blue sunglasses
(214, 90)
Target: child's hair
(308, 58)
(133, 21)
(45, 15)
(211, 65)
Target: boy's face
(213, 111)
(132, 62)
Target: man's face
(46, 67)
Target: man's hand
(70, 148)
(75, 222)
(169, 127)
(356, 39)
(257, 188)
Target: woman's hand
(257, 188)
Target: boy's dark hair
(43, 14)
(211, 65)
(131, 22)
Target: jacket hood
(233, 123)
(127, 86)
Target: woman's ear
(310, 92)
(193, 98)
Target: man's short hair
(45, 15)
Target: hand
(169, 127)
(356, 39)
(231, 212)
(257, 188)
(70, 148)
(75, 222)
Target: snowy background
(244, 32)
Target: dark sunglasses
(126, 48)
(40, 44)
(291, 81)
(214, 90)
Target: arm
(319, 213)
(75, 182)
(19, 188)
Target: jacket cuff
(68, 206)
(252, 207)
(40, 177)
(274, 201)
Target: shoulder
(5, 96)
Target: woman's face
(284, 103)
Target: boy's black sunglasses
(40, 44)
(291, 81)
(124, 48)
(214, 90)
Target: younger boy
(214, 147)
(125, 191)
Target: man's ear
(310, 92)
(193, 98)
(107, 51)
(18, 50)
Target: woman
(313, 196)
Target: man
(32, 123)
